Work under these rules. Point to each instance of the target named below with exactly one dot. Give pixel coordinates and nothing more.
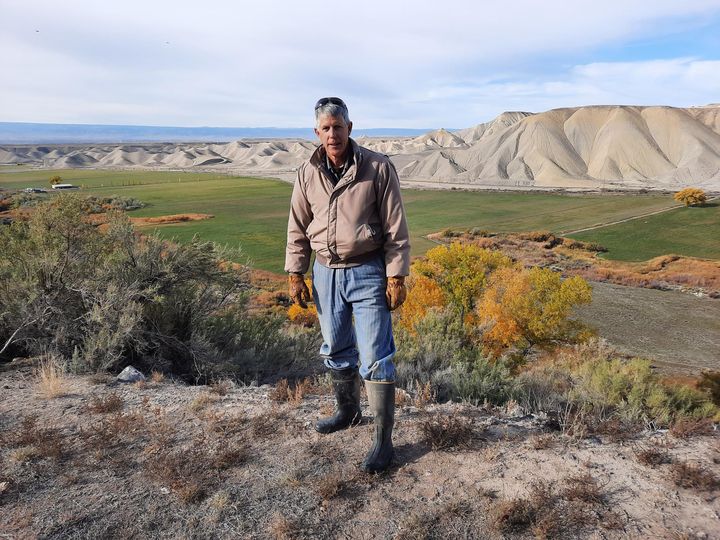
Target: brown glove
(299, 292)
(395, 292)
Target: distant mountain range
(613, 147)
(30, 133)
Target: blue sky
(416, 64)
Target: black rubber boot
(346, 383)
(381, 396)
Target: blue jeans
(359, 292)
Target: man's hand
(299, 292)
(395, 292)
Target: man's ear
(317, 133)
(349, 128)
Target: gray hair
(334, 110)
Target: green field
(684, 231)
(253, 212)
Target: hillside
(161, 459)
(594, 147)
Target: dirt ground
(678, 331)
(165, 460)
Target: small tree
(691, 196)
(55, 180)
(526, 307)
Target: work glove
(395, 293)
(299, 292)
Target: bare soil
(165, 460)
(679, 332)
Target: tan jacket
(348, 224)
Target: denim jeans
(358, 293)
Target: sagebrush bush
(595, 383)
(105, 298)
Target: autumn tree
(55, 180)
(423, 295)
(461, 271)
(526, 307)
(691, 196)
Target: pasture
(252, 212)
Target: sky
(411, 64)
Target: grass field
(253, 212)
(685, 231)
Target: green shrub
(105, 299)
(483, 381)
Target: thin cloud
(413, 64)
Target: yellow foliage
(423, 295)
(522, 306)
(461, 271)
(690, 196)
(305, 317)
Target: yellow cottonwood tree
(461, 271)
(423, 295)
(690, 196)
(525, 307)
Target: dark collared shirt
(337, 174)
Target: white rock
(130, 374)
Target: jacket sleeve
(395, 229)
(297, 252)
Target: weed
(443, 432)
(184, 470)
(402, 398)
(106, 404)
(265, 425)
(542, 442)
(330, 485)
(50, 377)
(157, 377)
(424, 395)
(35, 441)
(584, 487)
(653, 456)
(221, 388)
(280, 391)
(202, 401)
(229, 455)
(282, 528)
(689, 476)
(685, 428)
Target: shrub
(483, 381)
(526, 307)
(102, 298)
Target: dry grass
(551, 511)
(684, 427)
(282, 528)
(444, 432)
(50, 378)
(221, 388)
(652, 456)
(294, 395)
(34, 441)
(542, 442)
(443, 521)
(157, 377)
(690, 476)
(424, 395)
(202, 401)
(111, 402)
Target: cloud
(414, 64)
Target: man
(346, 207)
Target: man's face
(334, 135)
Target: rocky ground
(164, 460)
